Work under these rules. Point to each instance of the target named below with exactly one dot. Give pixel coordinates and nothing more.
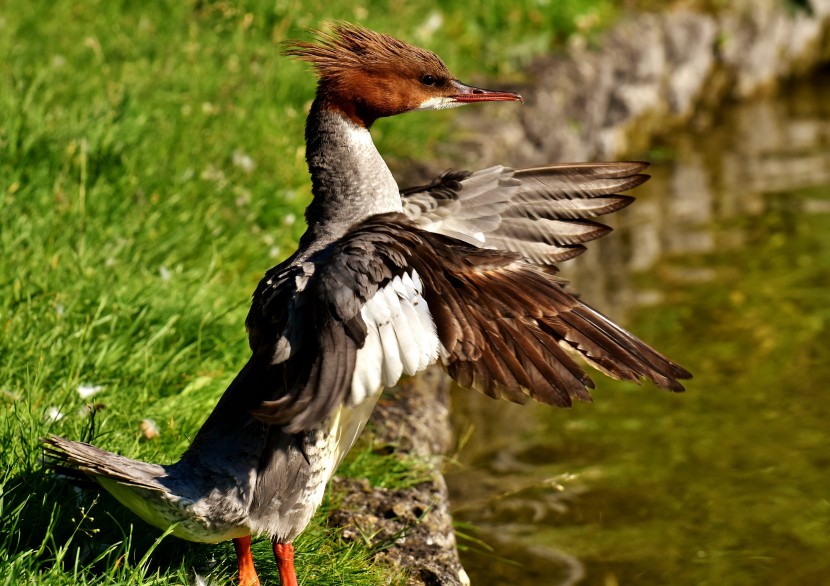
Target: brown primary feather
(601, 170)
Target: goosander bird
(385, 283)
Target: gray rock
(653, 72)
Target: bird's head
(367, 75)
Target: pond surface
(723, 264)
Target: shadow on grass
(55, 525)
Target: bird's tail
(80, 461)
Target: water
(723, 264)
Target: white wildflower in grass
(53, 414)
(149, 429)
(86, 391)
(430, 26)
(243, 161)
(274, 252)
(289, 219)
(164, 273)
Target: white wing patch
(401, 340)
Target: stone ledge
(653, 73)
(412, 527)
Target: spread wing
(543, 213)
(510, 329)
(389, 299)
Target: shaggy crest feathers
(348, 48)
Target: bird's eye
(429, 80)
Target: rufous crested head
(367, 75)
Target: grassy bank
(151, 169)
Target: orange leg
(284, 554)
(245, 561)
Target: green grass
(151, 170)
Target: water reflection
(724, 264)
